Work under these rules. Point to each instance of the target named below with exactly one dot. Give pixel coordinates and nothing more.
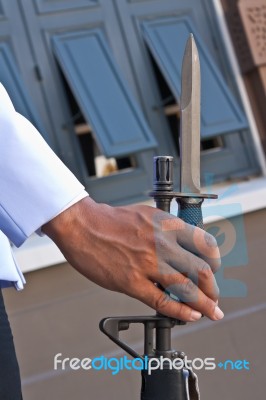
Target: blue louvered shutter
(12, 81)
(105, 100)
(166, 39)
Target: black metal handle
(112, 326)
(190, 210)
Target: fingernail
(218, 314)
(195, 315)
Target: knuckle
(205, 271)
(134, 278)
(209, 306)
(163, 247)
(162, 242)
(182, 311)
(187, 288)
(161, 302)
(149, 259)
(210, 240)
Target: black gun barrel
(163, 181)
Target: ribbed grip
(190, 211)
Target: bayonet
(190, 120)
(190, 197)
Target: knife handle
(190, 210)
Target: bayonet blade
(190, 120)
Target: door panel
(17, 65)
(10, 77)
(102, 94)
(53, 6)
(43, 28)
(166, 39)
(132, 16)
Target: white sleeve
(10, 274)
(35, 185)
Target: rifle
(171, 383)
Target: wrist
(64, 223)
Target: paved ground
(59, 311)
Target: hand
(130, 249)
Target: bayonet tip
(190, 71)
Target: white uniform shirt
(35, 186)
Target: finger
(162, 303)
(195, 240)
(194, 268)
(187, 292)
(207, 247)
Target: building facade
(100, 79)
